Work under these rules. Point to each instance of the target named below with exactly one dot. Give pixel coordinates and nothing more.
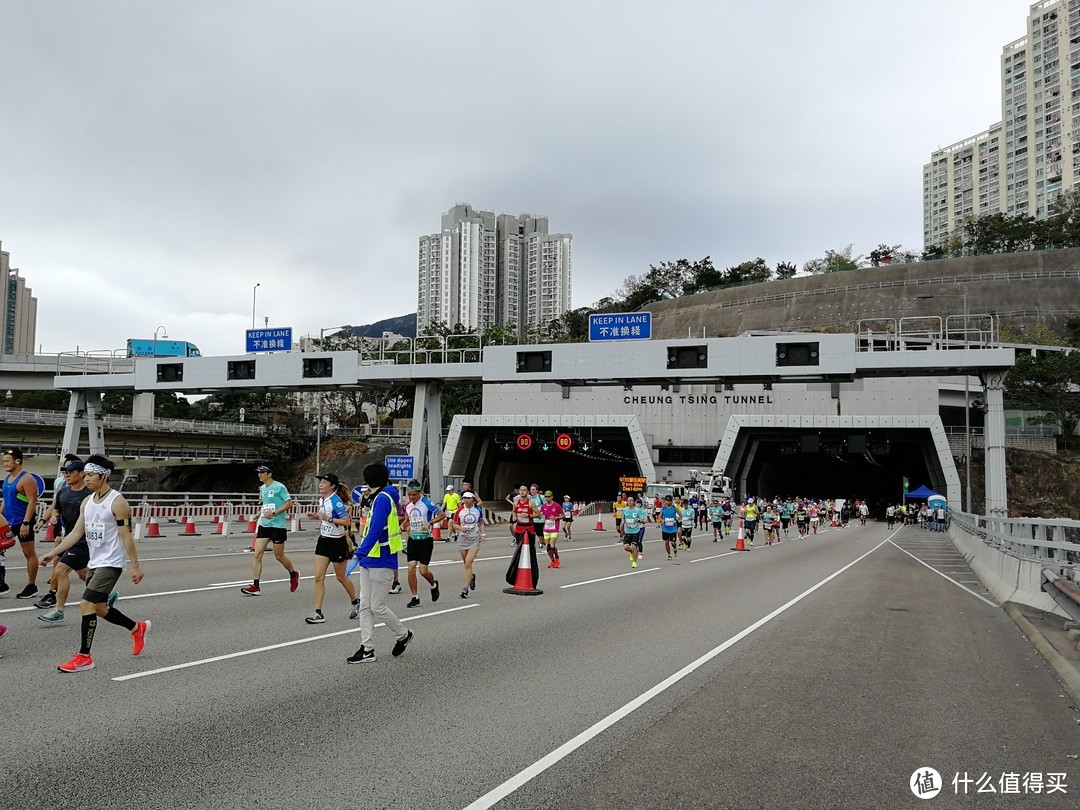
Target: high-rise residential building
(18, 329)
(1022, 164)
(484, 269)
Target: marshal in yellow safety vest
(393, 530)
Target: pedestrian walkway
(936, 551)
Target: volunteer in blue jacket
(378, 560)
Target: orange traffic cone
(253, 525)
(152, 529)
(599, 521)
(740, 543)
(50, 533)
(189, 529)
(436, 531)
(526, 577)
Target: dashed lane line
(605, 579)
(946, 576)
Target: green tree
(786, 270)
(1062, 226)
(754, 270)
(883, 254)
(1050, 382)
(1000, 232)
(834, 261)
(702, 275)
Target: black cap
(333, 479)
(15, 453)
(264, 468)
(74, 466)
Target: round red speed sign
(524, 441)
(564, 441)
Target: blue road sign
(620, 326)
(357, 495)
(402, 468)
(269, 340)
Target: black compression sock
(114, 616)
(89, 625)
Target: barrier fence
(1017, 558)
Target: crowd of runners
(679, 517)
(94, 538)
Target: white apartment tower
(1020, 165)
(482, 270)
(18, 327)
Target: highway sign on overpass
(620, 326)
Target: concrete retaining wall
(822, 303)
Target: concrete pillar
(95, 426)
(434, 437)
(84, 410)
(76, 418)
(142, 408)
(416, 441)
(997, 501)
(427, 432)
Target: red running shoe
(77, 664)
(294, 581)
(139, 635)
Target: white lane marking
(715, 556)
(528, 774)
(279, 646)
(605, 579)
(945, 576)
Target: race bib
(95, 535)
(549, 525)
(669, 521)
(268, 510)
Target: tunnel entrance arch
(863, 457)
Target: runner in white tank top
(106, 523)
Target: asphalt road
(816, 673)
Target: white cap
(450, 488)
(467, 495)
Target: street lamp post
(253, 291)
(164, 334)
(318, 423)
(967, 399)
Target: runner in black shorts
(421, 514)
(332, 547)
(567, 516)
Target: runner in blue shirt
(687, 517)
(716, 515)
(634, 529)
(669, 527)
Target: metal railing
(1010, 430)
(1045, 541)
(972, 331)
(152, 452)
(35, 416)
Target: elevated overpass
(848, 393)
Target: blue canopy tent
(922, 494)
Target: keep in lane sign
(620, 326)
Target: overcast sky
(158, 159)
